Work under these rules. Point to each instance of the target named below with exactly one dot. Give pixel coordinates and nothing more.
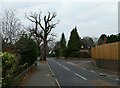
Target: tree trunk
(44, 50)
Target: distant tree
(108, 39)
(10, 27)
(62, 41)
(113, 38)
(57, 49)
(74, 41)
(62, 44)
(102, 39)
(43, 27)
(118, 37)
(95, 39)
(73, 45)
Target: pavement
(40, 77)
(79, 73)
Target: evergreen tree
(27, 49)
(102, 39)
(62, 41)
(118, 38)
(74, 41)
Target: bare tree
(11, 26)
(32, 34)
(43, 27)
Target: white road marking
(71, 63)
(116, 79)
(59, 64)
(58, 84)
(80, 76)
(92, 71)
(101, 74)
(84, 68)
(50, 69)
(65, 68)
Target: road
(68, 74)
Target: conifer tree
(63, 41)
(74, 41)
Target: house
(86, 44)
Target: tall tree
(43, 27)
(74, 41)
(63, 41)
(113, 38)
(102, 39)
(11, 27)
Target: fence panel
(107, 51)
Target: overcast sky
(91, 18)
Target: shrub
(57, 54)
(27, 49)
(70, 53)
(9, 64)
(66, 52)
(75, 54)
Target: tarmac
(41, 76)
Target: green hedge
(71, 53)
(27, 49)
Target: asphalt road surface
(70, 75)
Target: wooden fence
(107, 51)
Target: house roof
(87, 43)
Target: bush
(66, 52)
(75, 54)
(27, 49)
(71, 53)
(9, 64)
(57, 53)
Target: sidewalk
(40, 77)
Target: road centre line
(71, 63)
(84, 68)
(101, 74)
(59, 64)
(65, 68)
(80, 76)
(92, 71)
